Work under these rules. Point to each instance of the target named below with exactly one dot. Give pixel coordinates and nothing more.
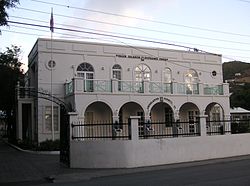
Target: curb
(30, 151)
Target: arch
(189, 112)
(117, 71)
(86, 71)
(167, 75)
(214, 111)
(142, 72)
(85, 67)
(191, 80)
(191, 76)
(162, 112)
(98, 111)
(130, 109)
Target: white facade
(104, 82)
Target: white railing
(79, 85)
(131, 86)
(160, 87)
(187, 88)
(213, 89)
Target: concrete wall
(148, 152)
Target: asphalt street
(22, 168)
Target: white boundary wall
(148, 152)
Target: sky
(216, 26)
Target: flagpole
(51, 74)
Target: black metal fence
(98, 130)
(155, 130)
(169, 130)
(228, 126)
(218, 127)
(240, 126)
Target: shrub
(49, 145)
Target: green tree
(10, 74)
(4, 5)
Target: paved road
(235, 173)
(21, 168)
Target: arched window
(142, 73)
(191, 80)
(117, 70)
(167, 75)
(86, 71)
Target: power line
(73, 26)
(139, 28)
(244, 1)
(115, 36)
(144, 19)
(42, 26)
(108, 35)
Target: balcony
(79, 85)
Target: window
(142, 73)
(167, 75)
(117, 71)
(48, 119)
(86, 71)
(191, 80)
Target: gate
(64, 136)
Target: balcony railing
(160, 87)
(213, 89)
(131, 86)
(79, 85)
(187, 88)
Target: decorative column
(146, 86)
(73, 120)
(114, 85)
(174, 88)
(203, 125)
(134, 127)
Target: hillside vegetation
(240, 88)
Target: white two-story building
(107, 82)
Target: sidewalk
(22, 168)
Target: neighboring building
(238, 113)
(107, 82)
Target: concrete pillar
(174, 88)
(225, 89)
(114, 85)
(73, 120)
(134, 127)
(203, 125)
(201, 88)
(78, 84)
(146, 86)
(19, 127)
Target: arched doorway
(215, 120)
(162, 112)
(215, 112)
(130, 109)
(189, 118)
(98, 112)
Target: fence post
(203, 125)
(134, 127)
(72, 119)
(227, 124)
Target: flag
(51, 21)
